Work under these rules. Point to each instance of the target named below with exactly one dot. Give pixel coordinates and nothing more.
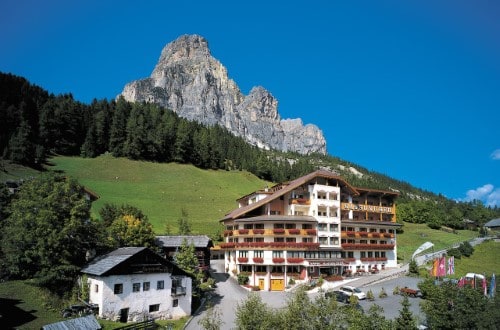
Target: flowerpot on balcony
(242, 260)
(294, 231)
(258, 231)
(311, 231)
(243, 231)
(295, 260)
(278, 231)
(258, 260)
(278, 260)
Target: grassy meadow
(161, 191)
(416, 234)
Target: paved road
(228, 294)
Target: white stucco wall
(138, 303)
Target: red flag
(442, 267)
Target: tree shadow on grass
(11, 316)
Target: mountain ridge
(195, 85)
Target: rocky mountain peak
(190, 82)
(185, 48)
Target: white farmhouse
(134, 283)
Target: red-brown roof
(287, 188)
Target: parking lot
(228, 294)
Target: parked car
(338, 295)
(351, 290)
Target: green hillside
(161, 191)
(416, 234)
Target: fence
(144, 325)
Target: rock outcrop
(189, 81)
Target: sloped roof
(286, 188)
(107, 262)
(493, 223)
(199, 241)
(86, 322)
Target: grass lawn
(161, 191)
(484, 260)
(416, 234)
(24, 306)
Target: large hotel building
(316, 224)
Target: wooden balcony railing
(270, 245)
(358, 246)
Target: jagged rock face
(189, 81)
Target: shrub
(291, 281)
(395, 291)
(382, 293)
(242, 279)
(454, 253)
(370, 296)
(466, 249)
(413, 267)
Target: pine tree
(183, 223)
(185, 257)
(405, 320)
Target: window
(136, 287)
(323, 240)
(96, 288)
(246, 268)
(277, 254)
(118, 288)
(261, 269)
(160, 285)
(258, 254)
(290, 226)
(291, 239)
(279, 239)
(243, 254)
(154, 308)
(247, 226)
(334, 227)
(175, 303)
(145, 286)
(334, 240)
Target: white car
(350, 290)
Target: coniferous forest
(35, 124)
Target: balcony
(311, 232)
(278, 231)
(178, 291)
(299, 201)
(373, 259)
(258, 231)
(294, 231)
(242, 260)
(357, 246)
(278, 260)
(270, 245)
(295, 260)
(258, 260)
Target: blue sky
(410, 89)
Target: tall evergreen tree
(405, 320)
